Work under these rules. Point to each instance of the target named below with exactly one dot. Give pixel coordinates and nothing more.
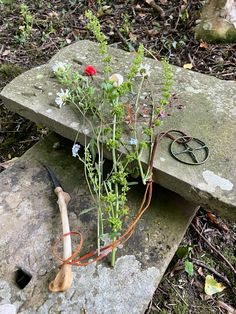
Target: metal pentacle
(189, 150)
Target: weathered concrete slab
(30, 220)
(209, 114)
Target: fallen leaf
(205, 297)
(53, 14)
(149, 1)
(203, 45)
(76, 31)
(188, 267)
(152, 32)
(8, 163)
(133, 37)
(216, 222)
(212, 286)
(6, 52)
(188, 66)
(142, 14)
(200, 271)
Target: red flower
(90, 71)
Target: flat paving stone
(209, 115)
(30, 221)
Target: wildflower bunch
(114, 126)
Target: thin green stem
(113, 256)
(99, 173)
(136, 108)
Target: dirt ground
(30, 35)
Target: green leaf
(93, 148)
(183, 251)
(188, 266)
(86, 210)
(212, 286)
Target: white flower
(144, 70)
(75, 149)
(117, 79)
(59, 66)
(133, 141)
(62, 97)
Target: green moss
(9, 71)
(228, 253)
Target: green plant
(6, 2)
(126, 25)
(26, 27)
(101, 104)
(183, 253)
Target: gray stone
(7, 309)
(218, 22)
(209, 114)
(30, 221)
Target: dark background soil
(126, 24)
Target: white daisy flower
(62, 97)
(144, 70)
(75, 149)
(117, 79)
(59, 66)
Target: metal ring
(189, 150)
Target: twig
(177, 293)
(214, 249)
(223, 278)
(156, 8)
(145, 10)
(122, 38)
(226, 307)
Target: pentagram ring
(189, 150)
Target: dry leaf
(6, 52)
(76, 31)
(133, 37)
(142, 14)
(212, 286)
(8, 163)
(205, 297)
(53, 14)
(149, 1)
(188, 66)
(152, 32)
(220, 225)
(203, 45)
(200, 271)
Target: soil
(167, 33)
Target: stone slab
(209, 114)
(30, 221)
